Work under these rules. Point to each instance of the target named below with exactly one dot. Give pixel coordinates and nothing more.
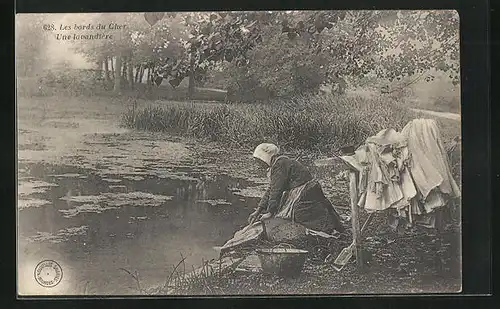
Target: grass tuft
(316, 123)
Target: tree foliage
(388, 44)
(279, 68)
(214, 37)
(297, 50)
(425, 40)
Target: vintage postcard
(238, 153)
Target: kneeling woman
(293, 194)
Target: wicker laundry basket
(284, 262)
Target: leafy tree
(396, 48)
(307, 47)
(134, 50)
(420, 41)
(393, 45)
(213, 38)
(279, 67)
(159, 44)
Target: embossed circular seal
(48, 273)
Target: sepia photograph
(238, 153)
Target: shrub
(279, 67)
(73, 82)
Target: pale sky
(58, 51)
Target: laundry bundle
(407, 172)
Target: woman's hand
(266, 215)
(253, 216)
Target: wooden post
(356, 233)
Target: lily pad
(27, 203)
(60, 236)
(214, 202)
(85, 208)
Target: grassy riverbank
(316, 123)
(56, 129)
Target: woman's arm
(279, 178)
(264, 201)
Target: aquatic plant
(199, 280)
(310, 122)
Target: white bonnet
(265, 152)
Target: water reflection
(94, 227)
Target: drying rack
(353, 169)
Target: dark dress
(313, 209)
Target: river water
(98, 199)
(94, 226)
